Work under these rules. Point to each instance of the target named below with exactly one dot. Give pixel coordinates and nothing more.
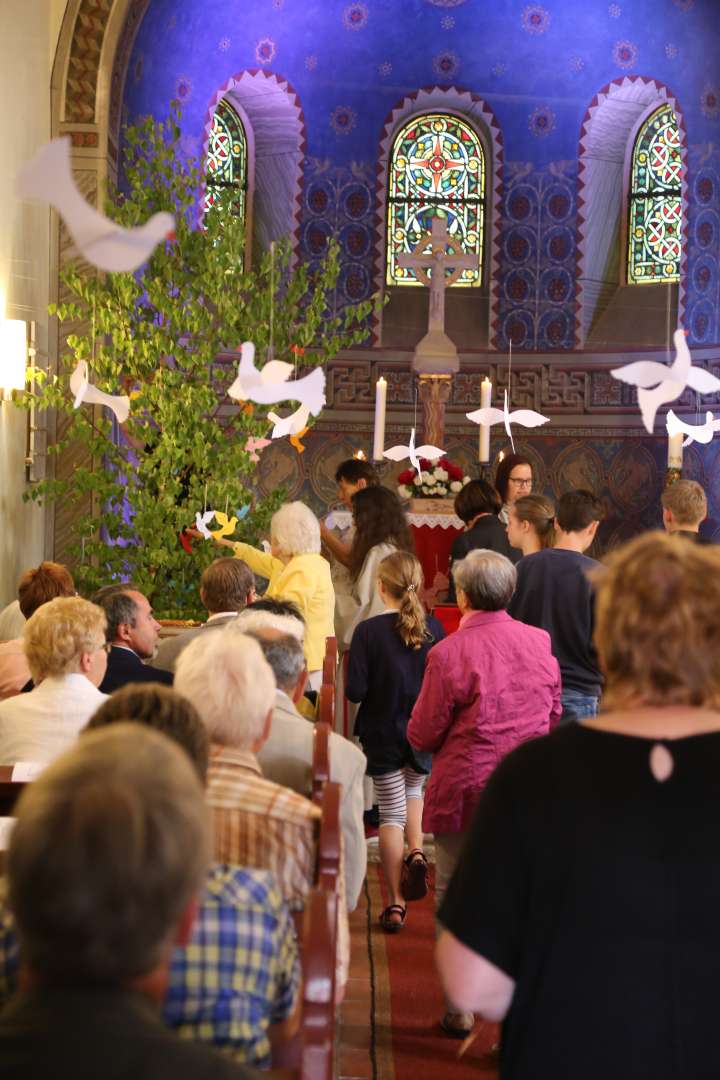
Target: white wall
(29, 31)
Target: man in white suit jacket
(286, 757)
(227, 586)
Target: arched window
(437, 164)
(655, 210)
(227, 158)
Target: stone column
(434, 394)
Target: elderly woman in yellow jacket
(297, 571)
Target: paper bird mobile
(202, 521)
(227, 527)
(294, 424)
(243, 512)
(269, 385)
(186, 542)
(399, 453)
(48, 177)
(701, 433)
(82, 391)
(524, 417)
(657, 383)
(254, 444)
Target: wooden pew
(309, 1054)
(326, 705)
(321, 759)
(329, 670)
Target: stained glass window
(437, 166)
(226, 163)
(655, 225)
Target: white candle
(485, 403)
(675, 449)
(379, 434)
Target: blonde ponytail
(402, 578)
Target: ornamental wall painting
(226, 162)
(655, 225)
(437, 167)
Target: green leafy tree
(159, 335)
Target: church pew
(326, 705)
(329, 669)
(317, 1024)
(308, 1055)
(321, 759)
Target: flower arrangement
(436, 482)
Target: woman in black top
(477, 505)
(385, 672)
(584, 912)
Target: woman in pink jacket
(487, 688)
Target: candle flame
(501, 456)
(359, 455)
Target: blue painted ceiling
(537, 65)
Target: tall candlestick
(379, 433)
(675, 451)
(485, 403)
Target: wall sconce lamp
(13, 356)
(17, 349)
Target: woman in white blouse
(380, 529)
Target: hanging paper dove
(243, 512)
(399, 453)
(524, 417)
(82, 391)
(293, 424)
(227, 527)
(254, 444)
(270, 385)
(202, 521)
(668, 382)
(48, 177)
(702, 433)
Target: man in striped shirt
(256, 823)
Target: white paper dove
(289, 425)
(82, 391)
(48, 177)
(702, 433)
(399, 453)
(202, 521)
(269, 385)
(524, 417)
(668, 382)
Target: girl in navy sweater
(385, 672)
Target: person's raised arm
(337, 547)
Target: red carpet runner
(406, 1004)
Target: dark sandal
(414, 878)
(389, 925)
(457, 1025)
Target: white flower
(466, 480)
(416, 480)
(428, 478)
(441, 490)
(441, 474)
(456, 486)
(404, 491)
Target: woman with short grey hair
(296, 571)
(487, 688)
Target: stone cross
(437, 268)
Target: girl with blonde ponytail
(385, 673)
